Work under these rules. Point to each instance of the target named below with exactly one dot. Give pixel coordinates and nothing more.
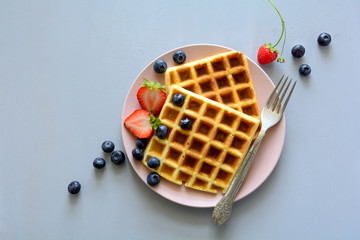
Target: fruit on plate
(161, 131)
(142, 123)
(267, 53)
(298, 51)
(324, 39)
(137, 153)
(153, 178)
(304, 70)
(108, 146)
(179, 57)
(160, 66)
(141, 143)
(74, 187)
(153, 162)
(178, 99)
(151, 96)
(185, 123)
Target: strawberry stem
(283, 31)
(281, 59)
(154, 122)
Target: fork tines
(279, 95)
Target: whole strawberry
(267, 53)
(151, 96)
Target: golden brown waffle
(206, 156)
(224, 78)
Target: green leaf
(145, 83)
(272, 49)
(153, 85)
(154, 122)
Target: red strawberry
(141, 123)
(267, 54)
(151, 96)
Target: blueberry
(324, 39)
(161, 131)
(74, 187)
(178, 99)
(137, 153)
(117, 157)
(153, 162)
(185, 123)
(99, 163)
(160, 66)
(108, 146)
(141, 143)
(153, 178)
(298, 51)
(304, 70)
(179, 57)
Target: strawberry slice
(151, 96)
(141, 123)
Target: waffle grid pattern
(206, 156)
(224, 78)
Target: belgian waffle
(206, 156)
(224, 78)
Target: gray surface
(65, 68)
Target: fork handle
(223, 208)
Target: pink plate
(266, 157)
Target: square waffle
(206, 156)
(224, 78)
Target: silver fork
(270, 115)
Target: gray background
(65, 69)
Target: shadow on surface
(244, 207)
(99, 173)
(161, 205)
(74, 198)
